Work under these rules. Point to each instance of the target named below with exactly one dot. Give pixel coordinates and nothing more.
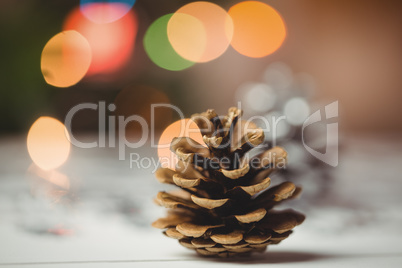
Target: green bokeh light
(159, 49)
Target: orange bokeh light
(112, 43)
(216, 32)
(181, 128)
(65, 59)
(259, 30)
(187, 36)
(48, 143)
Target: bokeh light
(259, 30)
(159, 49)
(181, 128)
(274, 125)
(296, 111)
(101, 11)
(112, 43)
(65, 59)
(200, 42)
(279, 75)
(48, 143)
(187, 36)
(258, 97)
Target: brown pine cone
(225, 207)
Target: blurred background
(61, 203)
(350, 48)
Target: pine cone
(225, 208)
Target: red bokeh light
(112, 43)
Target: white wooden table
(103, 220)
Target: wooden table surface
(102, 217)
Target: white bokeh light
(274, 125)
(257, 97)
(296, 111)
(279, 75)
